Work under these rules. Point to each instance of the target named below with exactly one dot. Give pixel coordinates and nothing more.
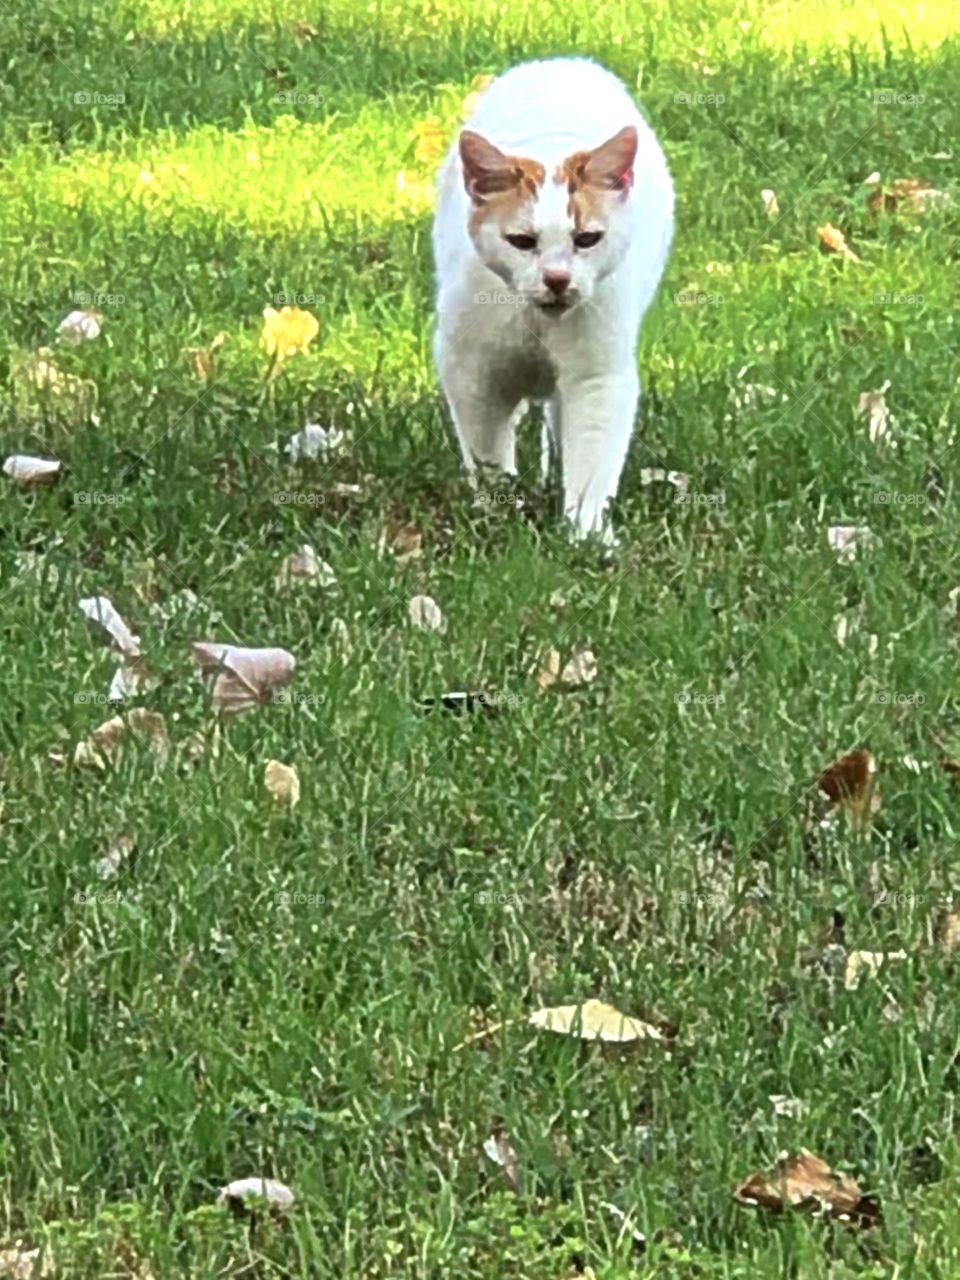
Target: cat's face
(550, 236)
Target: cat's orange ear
(487, 171)
(610, 166)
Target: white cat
(552, 230)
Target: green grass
(188, 1028)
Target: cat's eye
(524, 243)
(587, 239)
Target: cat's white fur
(497, 345)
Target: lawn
(335, 994)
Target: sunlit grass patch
(784, 26)
(286, 178)
(266, 991)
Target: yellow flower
(431, 142)
(287, 331)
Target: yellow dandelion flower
(431, 142)
(287, 331)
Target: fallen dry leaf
(804, 1181)
(403, 540)
(287, 331)
(283, 783)
(130, 679)
(770, 205)
(783, 1105)
(580, 670)
(314, 441)
(950, 932)
(251, 1193)
(105, 745)
(549, 672)
(17, 1263)
(872, 405)
(848, 539)
(832, 238)
(32, 473)
(498, 1148)
(304, 567)
(912, 193)
(99, 611)
(425, 613)
(116, 857)
(244, 678)
(851, 783)
(79, 326)
(866, 962)
(39, 383)
(593, 1020)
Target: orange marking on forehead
(500, 194)
(585, 204)
(516, 175)
(533, 173)
(573, 171)
(504, 206)
(591, 176)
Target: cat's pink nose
(556, 281)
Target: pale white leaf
(244, 678)
(872, 405)
(593, 1020)
(580, 670)
(79, 326)
(283, 783)
(100, 611)
(304, 567)
(250, 1192)
(847, 540)
(784, 1105)
(860, 963)
(116, 857)
(425, 613)
(31, 472)
(314, 442)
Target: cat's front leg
(484, 417)
(595, 420)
